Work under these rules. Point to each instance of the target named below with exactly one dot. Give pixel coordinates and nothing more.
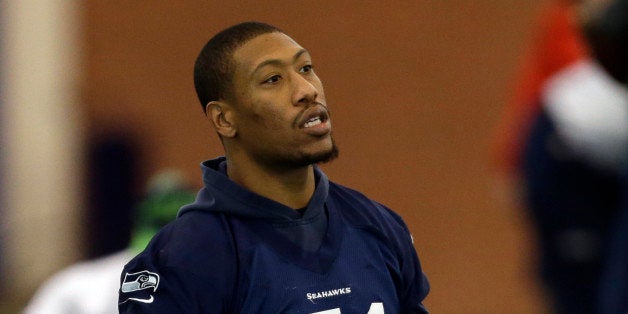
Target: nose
(305, 91)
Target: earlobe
(220, 115)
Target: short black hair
(607, 35)
(213, 70)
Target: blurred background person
(568, 150)
(91, 287)
(557, 42)
(608, 34)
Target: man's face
(280, 113)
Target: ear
(220, 114)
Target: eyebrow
(279, 62)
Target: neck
(291, 187)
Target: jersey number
(376, 308)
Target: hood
(221, 194)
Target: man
(572, 162)
(609, 38)
(269, 233)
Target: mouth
(315, 120)
(314, 116)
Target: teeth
(312, 122)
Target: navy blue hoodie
(233, 251)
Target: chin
(322, 156)
(330, 155)
(304, 157)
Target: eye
(272, 79)
(306, 69)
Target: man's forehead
(266, 47)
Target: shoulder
(189, 264)
(190, 242)
(359, 209)
(194, 247)
(379, 221)
(362, 212)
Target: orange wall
(415, 89)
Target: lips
(315, 121)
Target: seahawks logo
(139, 281)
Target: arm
(171, 290)
(414, 284)
(181, 271)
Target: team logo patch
(139, 281)
(139, 285)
